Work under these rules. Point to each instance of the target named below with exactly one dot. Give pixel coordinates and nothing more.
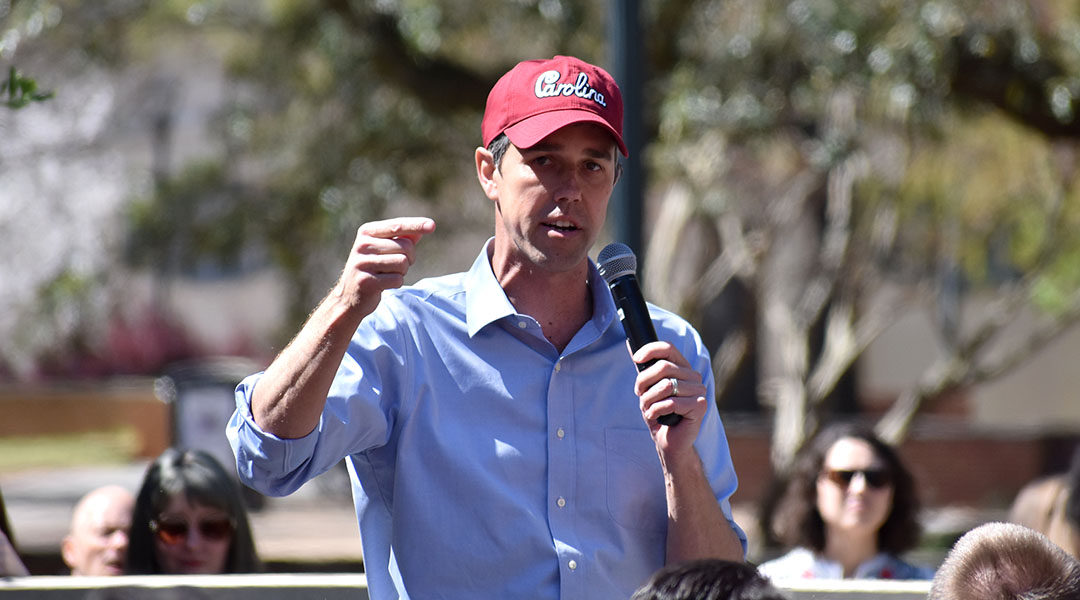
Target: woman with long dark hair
(190, 518)
(849, 511)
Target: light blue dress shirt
(484, 463)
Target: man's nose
(569, 187)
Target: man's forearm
(289, 398)
(697, 526)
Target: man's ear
(618, 171)
(67, 551)
(485, 173)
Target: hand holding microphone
(618, 266)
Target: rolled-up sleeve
(720, 471)
(712, 444)
(265, 462)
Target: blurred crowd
(188, 518)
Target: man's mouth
(562, 226)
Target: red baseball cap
(538, 97)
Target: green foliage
(760, 81)
(342, 112)
(21, 91)
(62, 290)
(190, 219)
(994, 180)
(348, 110)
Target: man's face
(98, 541)
(551, 199)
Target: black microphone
(618, 266)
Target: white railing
(285, 586)
(341, 586)
(854, 589)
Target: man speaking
(500, 440)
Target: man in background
(1006, 561)
(98, 540)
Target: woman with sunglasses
(189, 518)
(849, 511)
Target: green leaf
(21, 91)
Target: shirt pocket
(636, 498)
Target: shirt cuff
(264, 461)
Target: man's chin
(113, 570)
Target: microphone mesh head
(616, 260)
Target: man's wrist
(682, 463)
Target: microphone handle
(638, 326)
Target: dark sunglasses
(174, 531)
(875, 478)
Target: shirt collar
(603, 302)
(486, 302)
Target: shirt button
(560, 433)
(561, 502)
(572, 564)
(522, 324)
(558, 366)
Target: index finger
(660, 350)
(413, 228)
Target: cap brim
(528, 132)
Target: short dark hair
(708, 579)
(1006, 560)
(498, 147)
(199, 476)
(797, 521)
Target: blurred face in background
(854, 489)
(191, 538)
(98, 541)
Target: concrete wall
(351, 587)
(1040, 394)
